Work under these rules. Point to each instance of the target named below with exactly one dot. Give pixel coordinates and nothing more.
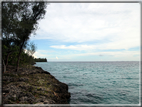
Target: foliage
(31, 48)
(40, 60)
(19, 21)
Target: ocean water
(98, 82)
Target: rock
(23, 79)
(23, 99)
(49, 101)
(46, 102)
(14, 96)
(45, 72)
(23, 87)
(5, 91)
(41, 99)
(48, 83)
(8, 79)
(27, 97)
(40, 103)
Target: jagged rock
(23, 99)
(33, 86)
(23, 79)
(49, 101)
(39, 103)
(8, 79)
(27, 97)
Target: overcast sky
(89, 32)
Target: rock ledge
(32, 86)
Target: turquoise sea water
(98, 82)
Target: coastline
(32, 86)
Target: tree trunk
(18, 62)
(4, 66)
(5, 63)
(7, 58)
(19, 57)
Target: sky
(89, 32)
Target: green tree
(19, 21)
(31, 48)
(8, 38)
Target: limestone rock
(33, 86)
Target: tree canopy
(40, 60)
(19, 21)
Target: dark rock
(23, 79)
(8, 79)
(27, 97)
(23, 99)
(23, 87)
(39, 103)
(41, 99)
(41, 89)
(39, 68)
(45, 72)
(48, 83)
(49, 101)
(5, 91)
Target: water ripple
(98, 82)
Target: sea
(106, 82)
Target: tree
(40, 60)
(31, 48)
(8, 48)
(8, 24)
(19, 21)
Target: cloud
(81, 22)
(35, 56)
(43, 53)
(74, 47)
(86, 22)
(116, 55)
(78, 26)
(122, 44)
(38, 54)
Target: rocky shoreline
(32, 86)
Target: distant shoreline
(93, 61)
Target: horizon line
(91, 61)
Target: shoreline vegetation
(32, 85)
(19, 21)
(40, 60)
(23, 83)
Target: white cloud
(122, 44)
(43, 53)
(75, 47)
(82, 22)
(116, 55)
(57, 57)
(38, 54)
(35, 56)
